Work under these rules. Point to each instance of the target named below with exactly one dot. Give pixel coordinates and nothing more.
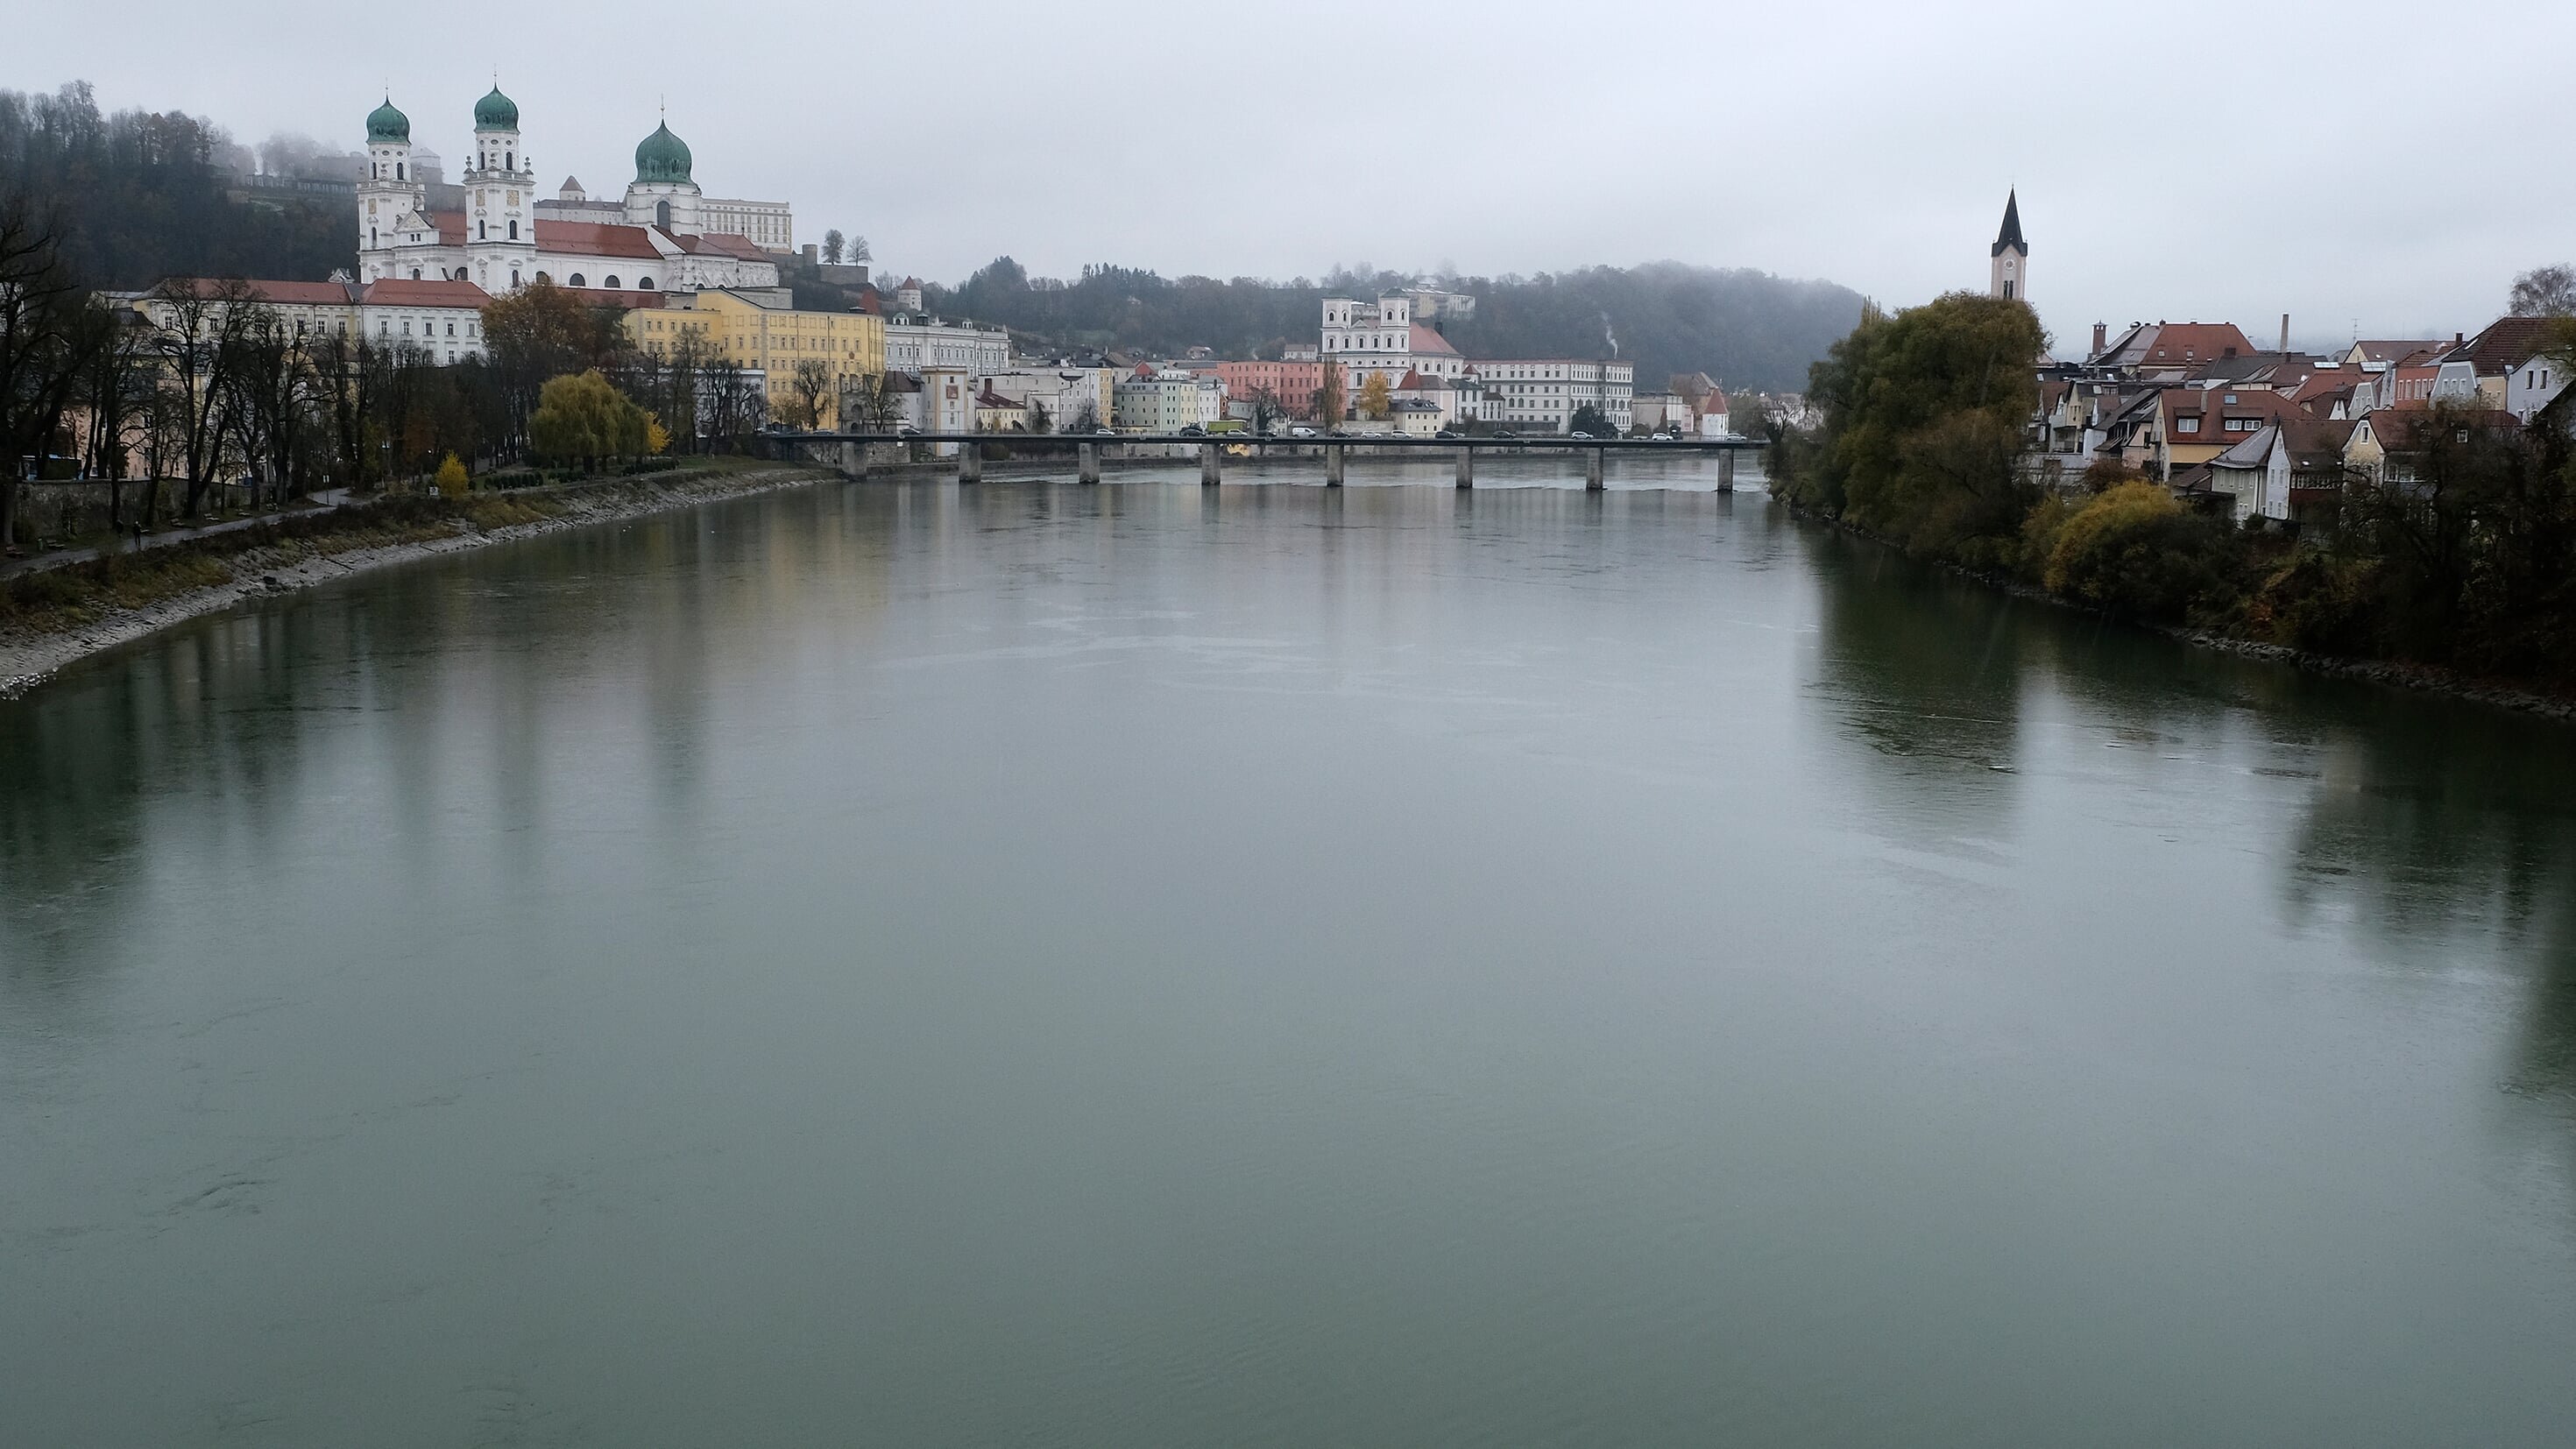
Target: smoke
(1609, 336)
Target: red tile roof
(719, 244)
(281, 294)
(2392, 351)
(596, 239)
(451, 227)
(2509, 342)
(1425, 342)
(2181, 344)
(402, 292)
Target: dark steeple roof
(2010, 236)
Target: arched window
(514, 276)
(576, 280)
(398, 171)
(611, 283)
(514, 231)
(371, 236)
(542, 277)
(644, 284)
(415, 274)
(662, 213)
(482, 231)
(509, 160)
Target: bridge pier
(1726, 471)
(970, 463)
(1087, 462)
(1332, 465)
(1466, 467)
(1592, 480)
(1211, 471)
(852, 464)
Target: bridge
(852, 455)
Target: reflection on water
(1259, 965)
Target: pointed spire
(2010, 236)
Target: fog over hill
(1744, 328)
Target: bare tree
(345, 374)
(269, 383)
(870, 402)
(2548, 291)
(807, 387)
(1267, 410)
(116, 387)
(197, 330)
(40, 336)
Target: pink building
(1293, 383)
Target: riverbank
(53, 619)
(2422, 678)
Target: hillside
(1744, 328)
(142, 197)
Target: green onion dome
(384, 123)
(496, 112)
(662, 156)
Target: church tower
(662, 193)
(2011, 278)
(391, 189)
(500, 200)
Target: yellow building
(751, 330)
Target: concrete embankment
(29, 654)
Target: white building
(1544, 392)
(1167, 401)
(1065, 392)
(914, 342)
(2533, 386)
(1381, 336)
(503, 238)
(442, 320)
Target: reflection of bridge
(852, 455)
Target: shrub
(451, 478)
(2321, 601)
(2039, 532)
(2136, 553)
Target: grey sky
(2385, 166)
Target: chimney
(2101, 338)
(2285, 334)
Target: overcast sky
(2363, 164)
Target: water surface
(1266, 966)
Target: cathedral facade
(665, 237)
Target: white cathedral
(666, 237)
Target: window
(644, 284)
(611, 283)
(482, 231)
(2186, 425)
(576, 280)
(514, 231)
(415, 274)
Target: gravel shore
(29, 657)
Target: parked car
(1508, 433)
(1301, 432)
(1448, 433)
(1193, 430)
(1661, 438)
(1104, 432)
(1580, 436)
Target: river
(1137, 965)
